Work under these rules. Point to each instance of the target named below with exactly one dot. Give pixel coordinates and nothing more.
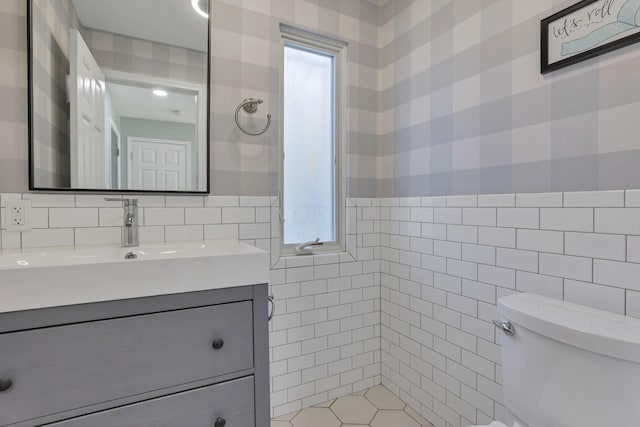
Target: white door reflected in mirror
(159, 165)
(87, 116)
(164, 117)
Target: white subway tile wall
(411, 302)
(440, 350)
(325, 335)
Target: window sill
(316, 259)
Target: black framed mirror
(119, 95)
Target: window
(312, 141)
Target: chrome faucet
(130, 229)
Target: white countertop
(32, 279)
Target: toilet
(567, 365)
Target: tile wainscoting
(446, 260)
(410, 304)
(325, 335)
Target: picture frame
(587, 29)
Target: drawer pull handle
(5, 384)
(217, 345)
(220, 422)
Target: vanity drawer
(229, 404)
(62, 368)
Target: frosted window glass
(309, 170)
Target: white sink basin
(34, 279)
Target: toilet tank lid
(588, 328)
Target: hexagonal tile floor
(376, 407)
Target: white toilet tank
(568, 365)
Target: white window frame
(338, 49)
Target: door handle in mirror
(220, 422)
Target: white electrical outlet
(18, 214)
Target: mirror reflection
(119, 95)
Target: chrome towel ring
(250, 105)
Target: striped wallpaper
(445, 97)
(51, 23)
(246, 62)
(465, 110)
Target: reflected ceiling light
(160, 92)
(202, 7)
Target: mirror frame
(30, 121)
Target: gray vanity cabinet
(227, 404)
(197, 359)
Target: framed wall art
(587, 29)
